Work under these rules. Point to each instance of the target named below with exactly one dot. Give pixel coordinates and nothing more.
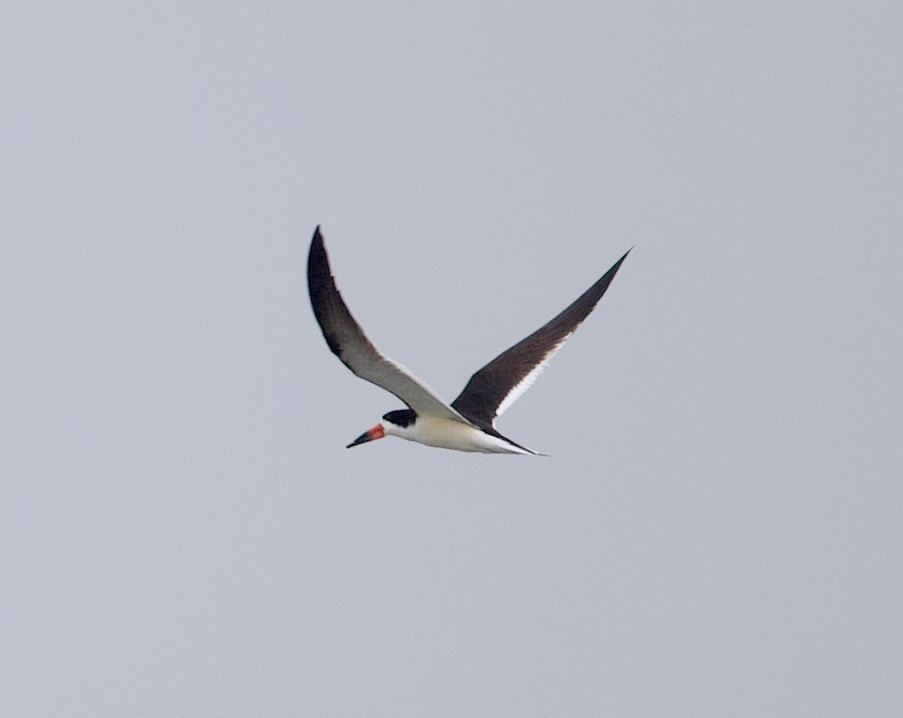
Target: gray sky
(182, 532)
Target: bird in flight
(468, 423)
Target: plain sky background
(718, 531)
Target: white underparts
(452, 434)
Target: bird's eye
(400, 417)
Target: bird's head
(395, 423)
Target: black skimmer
(467, 424)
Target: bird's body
(468, 423)
(452, 434)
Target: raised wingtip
(316, 255)
(617, 265)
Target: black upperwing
(496, 386)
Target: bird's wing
(502, 381)
(348, 342)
